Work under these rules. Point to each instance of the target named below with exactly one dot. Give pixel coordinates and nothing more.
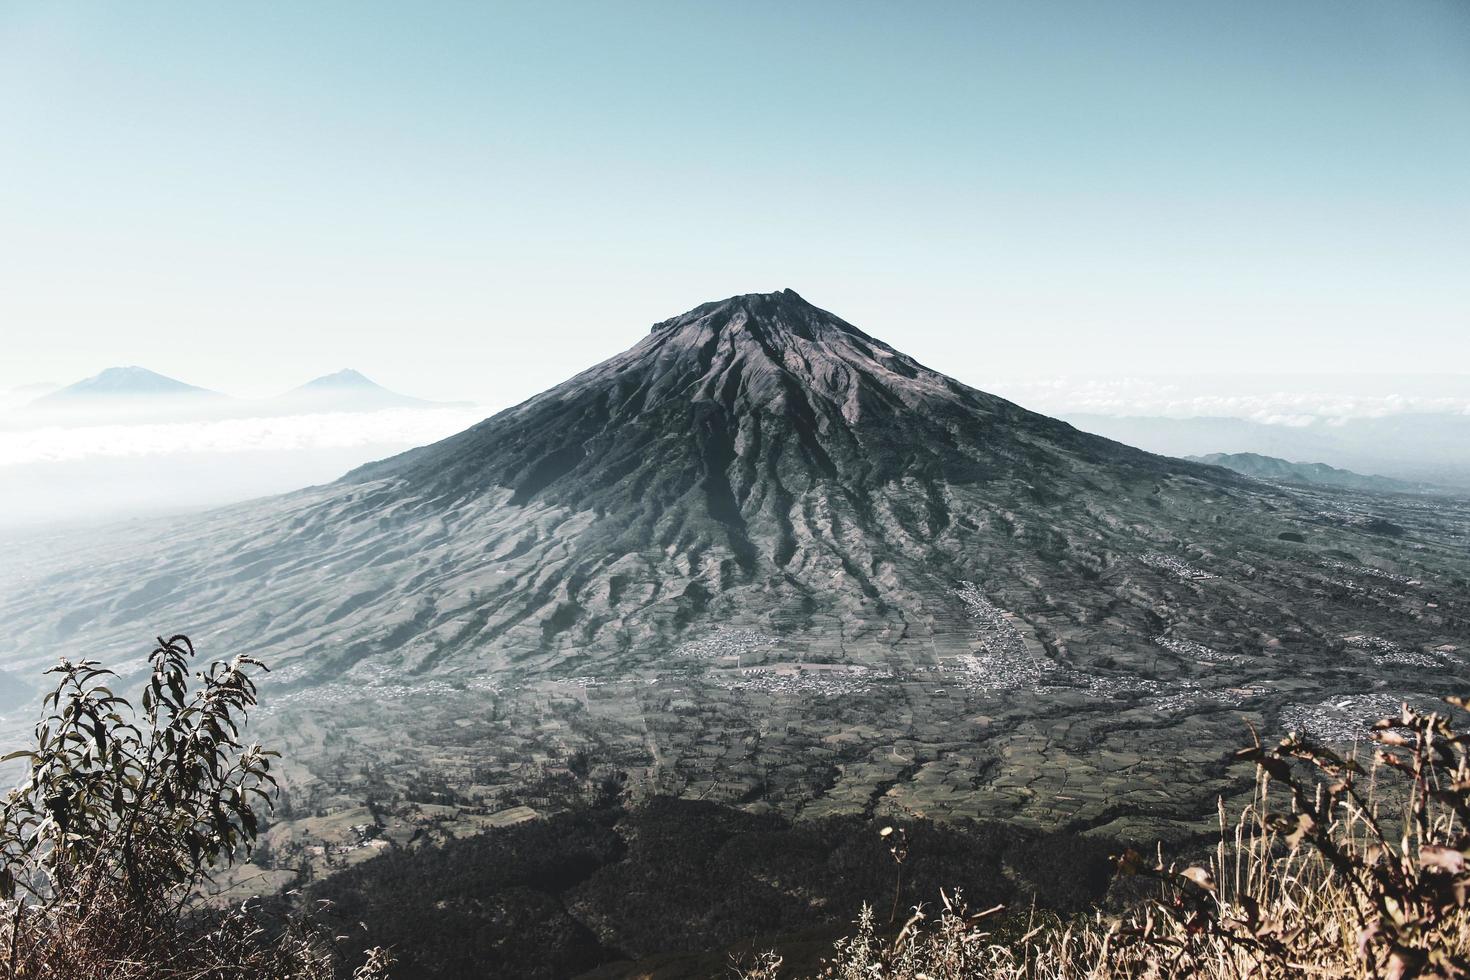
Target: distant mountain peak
(345, 378)
(129, 381)
(345, 390)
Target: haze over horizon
(481, 203)
(613, 490)
(88, 460)
(84, 460)
(1159, 210)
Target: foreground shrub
(1346, 881)
(122, 817)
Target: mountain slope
(749, 454)
(1285, 471)
(765, 557)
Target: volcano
(763, 556)
(124, 382)
(757, 458)
(342, 391)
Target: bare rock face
(763, 556)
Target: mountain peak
(738, 400)
(125, 382)
(345, 378)
(773, 351)
(346, 390)
(761, 312)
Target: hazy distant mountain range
(1316, 474)
(1416, 447)
(95, 450)
(343, 391)
(136, 394)
(123, 382)
(764, 556)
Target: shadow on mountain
(678, 883)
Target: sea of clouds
(107, 468)
(104, 470)
(327, 430)
(1283, 401)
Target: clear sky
(480, 199)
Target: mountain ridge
(1265, 467)
(1432, 447)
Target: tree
(123, 817)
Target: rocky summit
(762, 556)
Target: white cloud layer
(331, 430)
(1292, 406)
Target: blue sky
(480, 199)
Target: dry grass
(109, 936)
(1332, 871)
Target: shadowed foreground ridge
(1334, 870)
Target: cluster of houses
(1178, 566)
